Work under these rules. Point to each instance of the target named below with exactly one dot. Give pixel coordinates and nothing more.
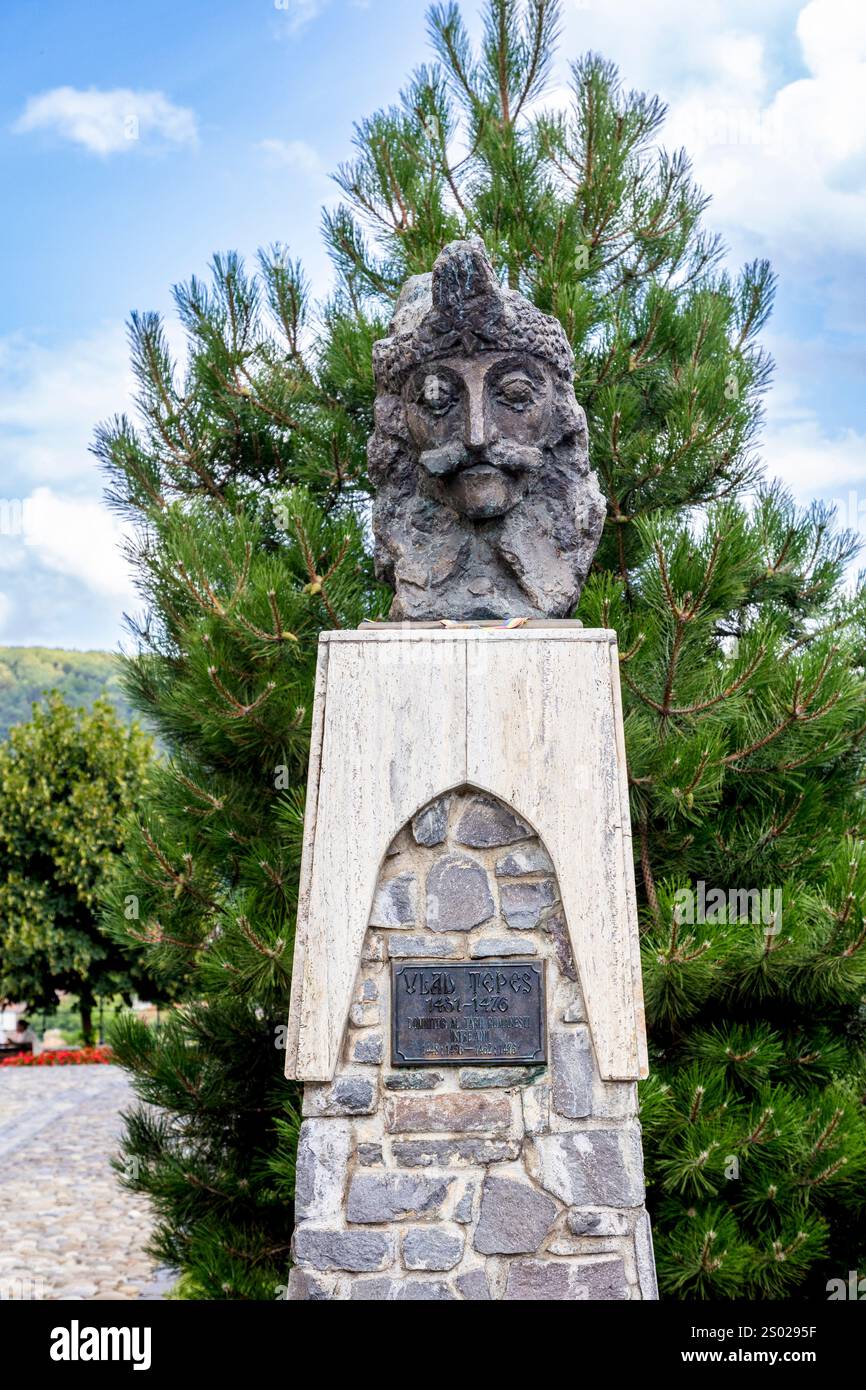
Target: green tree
(26, 673)
(242, 482)
(741, 650)
(68, 780)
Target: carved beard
(529, 563)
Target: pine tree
(243, 483)
(741, 648)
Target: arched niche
(531, 718)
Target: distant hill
(27, 672)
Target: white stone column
(468, 802)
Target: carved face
(476, 423)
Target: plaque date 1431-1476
(472, 1011)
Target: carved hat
(460, 308)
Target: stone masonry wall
(469, 1182)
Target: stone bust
(485, 504)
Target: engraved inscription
(470, 1011)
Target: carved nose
(475, 433)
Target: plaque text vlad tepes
(474, 1011)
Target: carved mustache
(455, 457)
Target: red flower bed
(63, 1057)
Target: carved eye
(516, 391)
(437, 394)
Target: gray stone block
(370, 1155)
(448, 1153)
(322, 1166)
(395, 903)
(536, 1109)
(501, 946)
(369, 1049)
(573, 1072)
(486, 822)
(534, 859)
(449, 1114)
(523, 903)
(422, 1080)
(566, 1244)
(348, 1095)
(364, 1015)
(614, 1100)
(408, 946)
(594, 1167)
(375, 1198)
(458, 894)
(305, 1287)
(597, 1221)
(575, 1013)
(402, 1291)
(473, 1285)
(431, 1247)
(515, 1218)
(593, 1278)
(478, 1079)
(430, 826)
(463, 1209)
(357, 1251)
(370, 990)
(555, 924)
(397, 845)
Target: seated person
(22, 1035)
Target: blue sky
(137, 139)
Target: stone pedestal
(467, 803)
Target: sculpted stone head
(485, 504)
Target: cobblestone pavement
(68, 1230)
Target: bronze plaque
(489, 1012)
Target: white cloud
(768, 102)
(812, 460)
(51, 398)
(296, 155)
(792, 171)
(108, 122)
(663, 44)
(64, 578)
(831, 33)
(297, 14)
(78, 537)
(813, 463)
(785, 160)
